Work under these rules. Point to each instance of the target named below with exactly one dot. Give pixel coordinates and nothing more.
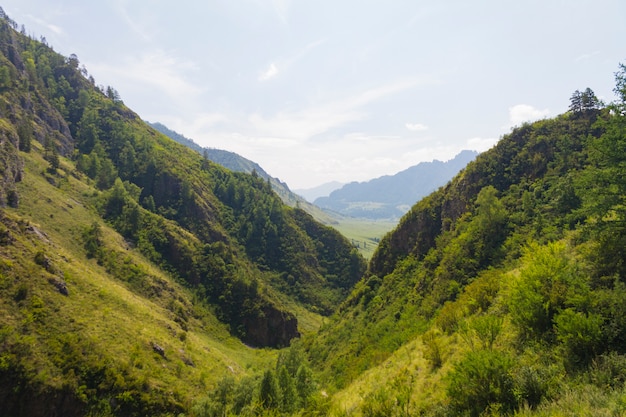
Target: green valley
(140, 278)
(135, 273)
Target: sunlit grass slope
(144, 341)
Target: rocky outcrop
(274, 328)
(11, 166)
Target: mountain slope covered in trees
(125, 255)
(502, 293)
(133, 272)
(362, 233)
(238, 163)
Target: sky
(343, 90)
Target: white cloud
(284, 64)
(50, 26)
(416, 127)
(481, 144)
(269, 73)
(586, 57)
(306, 123)
(281, 7)
(522, 113)
(156, 69)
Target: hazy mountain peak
(322, 190)
(391, 196)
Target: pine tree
(269, 391)
(304, 384)
(288, 398)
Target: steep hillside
(391, 196)
(227, 159)
(501, 293)
(129, 262)
(363, 234)
(238, 163)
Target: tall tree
(584, 103)
(269, 391)
(604, 185)
(576, 102)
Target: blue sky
(346, 90)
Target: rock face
(11, 167)
(274, 328)
(158, 349)
(60, 285)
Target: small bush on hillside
(608, 371)
(480, 381)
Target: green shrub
(548, 283)
(580, 335)
(531, 385)
(487, 328)
(433, 349)
(269, 391)
(380, 403)
(608, 371)
(480, 381)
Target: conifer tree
(288, 397)
(269, 391)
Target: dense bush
(482, 380)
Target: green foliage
(433, 349)
(548, 283)
(609, 371)
(603, 187)
(482, 381)
(25, 134)
(286, 389)
(609, 304)
(269, 390)
(305, 384)
(52, 155)
(381, 403)
(92, 240)
(533, 384)
(288, 394)
(580, 335)
(584, 103)
(487, 328)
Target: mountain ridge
(238, 163)
(110, 226)
(391, 196)
(322, 190)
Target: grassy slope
(415, 377)
(551, 373)
(102, 313)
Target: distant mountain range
(391, 196)
(387, 197)
(311, 194)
